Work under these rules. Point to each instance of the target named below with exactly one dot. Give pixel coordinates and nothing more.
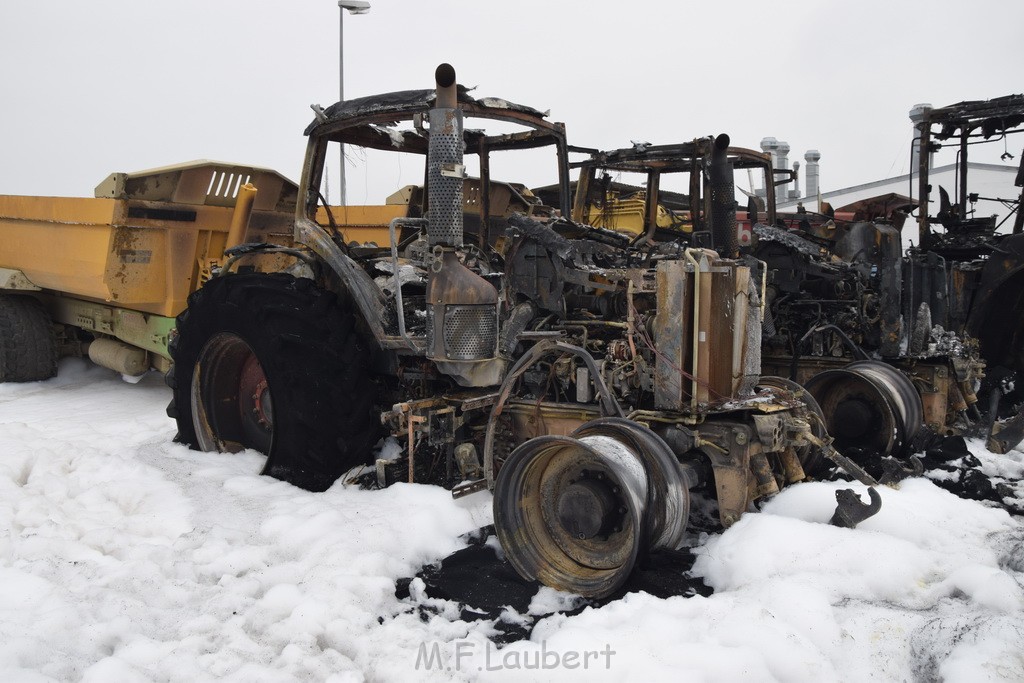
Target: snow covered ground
(129, 558)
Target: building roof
(877, 184)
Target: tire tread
(316, 366)
(28, 346)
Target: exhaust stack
(723, 200)
(462, 307)
(917, 115)
(445, 169)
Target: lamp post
(353, 7)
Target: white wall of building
(987, 180)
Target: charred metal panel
(702, 338)
(925, 299)
(888, 249)
(672, 327)
(470, 332)
(724, 346)
(536, 273)
(462, 316)
(964, 279)
(748, 370)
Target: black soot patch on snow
(485, 586)
(950, 465)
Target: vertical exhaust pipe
(462, 307)
(723, 200)
(781, 191)
(444, 159)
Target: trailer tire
(28, 346)
(273, 363)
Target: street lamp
(354, 7)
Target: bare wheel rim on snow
(667, 508)
(569, 512)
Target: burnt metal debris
(893, 471)
(851, 510)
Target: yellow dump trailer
(112, 271)
(107, 275)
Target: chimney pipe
(780, 190)
(723, 200)
(795, 192)
(771, 146)
(917, 114)
(812, 156)
(462, 307)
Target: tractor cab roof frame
(370, 122)
(989, 120)
(669, 158)
(995, 116)
(654, 160)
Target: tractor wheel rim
(232, 407)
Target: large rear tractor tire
(273, 363)
(28, 347)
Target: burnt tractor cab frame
(706, 212)
(976, 263)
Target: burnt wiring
(650, 345)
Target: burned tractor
(892, 343)
(846, 320)
(845, 294)
(590, 379)
(984, 273)
(833, 306)
(821, 297)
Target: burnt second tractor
(933, 331)
(899, 348)
(590, 379)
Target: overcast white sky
(93, 87)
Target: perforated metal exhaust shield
(444, 178)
